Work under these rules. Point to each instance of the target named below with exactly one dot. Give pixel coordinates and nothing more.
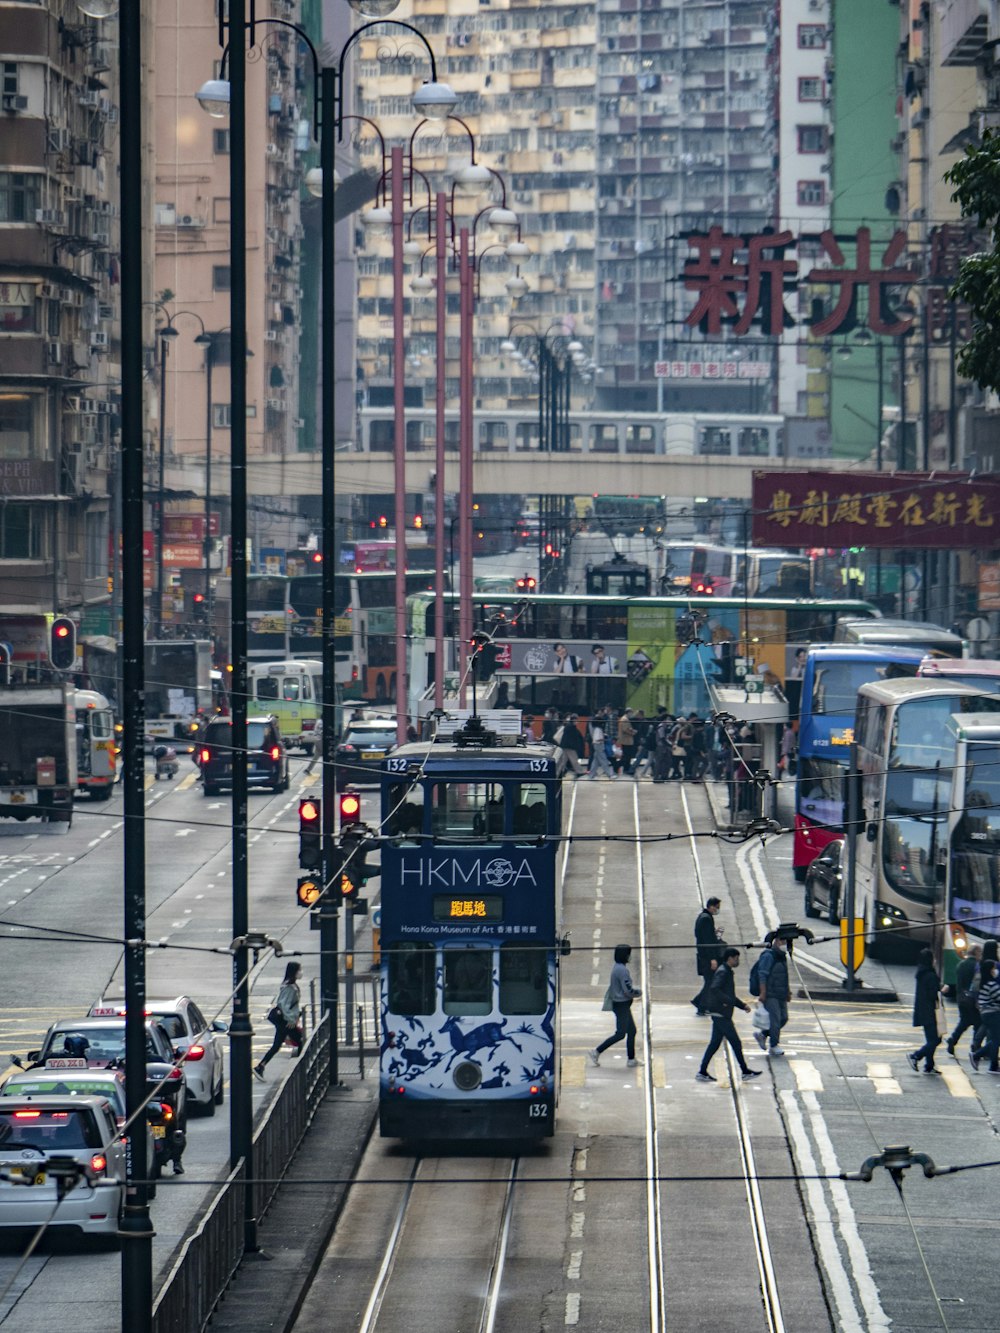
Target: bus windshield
(975, 842)
(920, 729)
(836, 684)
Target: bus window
(468, 981)
(266, 687)
(529, 809)
(465, 809)
(523, 983)
(290, 689)
(405, 817)
(411, 978)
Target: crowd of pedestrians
(628, 744)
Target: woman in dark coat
(925, 1005)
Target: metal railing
(211, 1254)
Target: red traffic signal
(526, 584)
(62, 643)
(310, 834)
(350, 809)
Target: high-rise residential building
(59, 274)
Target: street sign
(855, 937)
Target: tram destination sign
(935, 510)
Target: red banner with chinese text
(902, 509)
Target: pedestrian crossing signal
(308, 891)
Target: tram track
(769, 1294)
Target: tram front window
(529, 809)
(411, 978)
(523, 980)
(468, 809)
(405, 815)
(468, 981)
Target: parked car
(39, 1137)
(106, 1083)
(359, 755)
(190, 1034)
(825, 882)
(267, 760)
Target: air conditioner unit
(272, 150)
(91, 456)
(275, 288)
(74, 446)
(186, 220)
(49, 217)
(101, 238)
(271, 336)
(14, 102)
(112, 114)
(53, 353)
(105, 311)
(92, 100)
(100, 339)
(278, 404)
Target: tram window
(523, 980)
(290, 689)
(101, 725)
(411, 978)
(468, 981)
(266, 687)
(405, 817)
(529, 809)
(466, 809)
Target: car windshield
(102, 1044)
(108, 1088)
(370, 740)
(172, 1024)
(49, 1130)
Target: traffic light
(308, 891)
(62, 643)
(5, 655)
(310, 834)
(350, 809)
(354, 870)
(526, 584)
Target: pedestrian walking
(285, 1014)
(774, 993)
(925, 1013)
(600, 761)
(987, 1041)
(722, 1000)
(572, 744)
(661, 745)
(626, 739)
(707, 950)
(620, 995)
(967, 994)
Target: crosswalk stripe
(807, 1076)
(186, 783)
(957, 1081)
(881, 1077)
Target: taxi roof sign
(66, 1062)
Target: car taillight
(26, 1115)
(168, 1113)
(99, 1163)
(275, 752)
(120, 1121)
(205, 756)
(175, 1073)
(348, 749)
(194, 1053)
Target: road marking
(957, 1081)
(182, 832)
(186, 783)
(574, 1071)
(807, 1076)
(148, 781)
(572, 1308)
(881, 1076)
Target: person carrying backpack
(721, 1000)
(772, 977)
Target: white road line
(822, 1222)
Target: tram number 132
(538, 1110)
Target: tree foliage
(976, 178)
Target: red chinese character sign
(741, 281)
(930, 510)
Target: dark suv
(267, 762)
(359, 755)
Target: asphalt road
(73, 879)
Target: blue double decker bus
(831, 678)
(470, 946)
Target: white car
(190, 1033)
(39, 1136)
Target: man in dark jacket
(706, 938)
(925, 1003)
(721, 999)
(968, 1009)
(774, 993)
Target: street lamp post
(166, 334)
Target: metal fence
(212, 1253)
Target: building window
(811, 192)
(95, 555)
(19, 532)
(222, 414)
(19, 196)
(811, 90)
(17, 307)
(220, 141)
(8, 78)
(221, 278)
(812, 138)
(15, 425)
(812, 36)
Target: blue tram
(469, 946)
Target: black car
(359, 755)
(267, 760)
(825, 880)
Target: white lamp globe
(213, 97)
(434, 100)
(421, 285)
(574, 347)
(98, 9)
(516, 286)
(503, 220)
(472, 178)
(377, 220)
(508, 346)
(412, 249)
(517, 250)
(373, 9)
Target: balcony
(964, 30)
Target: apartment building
(59, 368)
